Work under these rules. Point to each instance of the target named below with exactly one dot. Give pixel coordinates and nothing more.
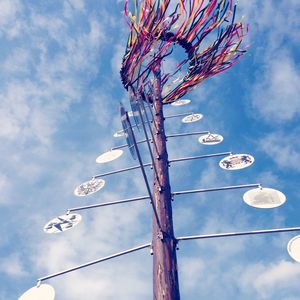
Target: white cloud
(282, 148)
(12, 266)
(276, 93)
(271, 280)
(9, 24)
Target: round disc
(192, 118)
(181, 102)
(109, 156)
(43, 292)
(130, 113)
(264, 198)
(89, 187)
(210, 139)
(236, 162)
(119, 133)
(62, 223)
(293, 248)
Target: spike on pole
(165, 274)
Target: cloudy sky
(59, 95)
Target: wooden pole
(165, 275)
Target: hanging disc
(119, 133)
(89, 187)
(293, 248)
(210, 139)
(236, 162)
(62, 223)
(181, 102)
(42, 292)
(264, 198)
(109, 156)
(192, 118)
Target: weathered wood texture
(165, 275)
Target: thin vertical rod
(148, 144)
(144, 173)
(148, 122)
(151, 111)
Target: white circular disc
(192, 118)
(62, 223)
(109, 156)
(181, 102)
(43, 292)
(130, 113)
(236, 162)
(119, 133)
(264, 198)
(210, 139)
(293, 248)
(89, 187)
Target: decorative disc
(89, 187)
(264, 198)
(43, 292)
(236, 162)
(210, 139)
(293, 248)
(192, 118)
(109, 156)
(119, 133)
(62, 223)
(181, 102)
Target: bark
(165, 275)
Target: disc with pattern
(192, 118)
(264, 198)
(210, 139)
(89, 187)
(62, 223)
(236, 162)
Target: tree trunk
(165, 275)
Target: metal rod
(126, 145)
(121, 170)
(144, 173)
(252, 232)
(199, 156)
(150, 129)
(232, 187)
(107, 203)
(151, 111)
(170, 161)
(179, 115)
(94, 262)
(148, 144)
(167, 136)
(187, 134)
(166, 117)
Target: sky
(59, 99)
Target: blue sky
(59, 95)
